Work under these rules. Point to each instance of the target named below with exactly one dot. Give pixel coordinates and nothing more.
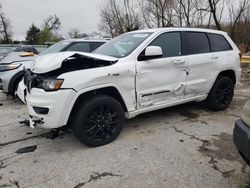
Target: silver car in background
(12, 66)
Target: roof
(154, 30)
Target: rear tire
(99, 121)
(221, 94)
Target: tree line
(120, 16)
(231, 16)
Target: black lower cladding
(241, 138)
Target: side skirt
(132, 114)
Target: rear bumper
(241, 138)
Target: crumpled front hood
(50, 62)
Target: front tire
(99, 121)
(221, 94)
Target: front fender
(85, 90)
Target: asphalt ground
(182, 146)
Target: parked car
(4, 51)
(12, 66)
(26, 49)
(137, 72)
(241, 133)
(11, 70)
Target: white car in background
(137, 72)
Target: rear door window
(218, 43)
(196, 43)
(170, 43)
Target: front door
(162, 80)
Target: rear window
(197, 43)
(218, 43)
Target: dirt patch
(15, 183)
(225, 150)
(49, 135)
(189, 115)
(147, 133)
(2, 165)
(12, 183)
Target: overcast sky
(81, 14)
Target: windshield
(122, 45)
(55, 48)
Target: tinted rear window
(197, 43)
(218, 43)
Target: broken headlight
(50, 84)
(8, 67)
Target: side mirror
(152, 52)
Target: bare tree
(5, 28)
(187, 12)
(161, 12)
(49, 31)
(236, 13)
(52, 23)
(117, 18)
(213, 5)
(74, 33)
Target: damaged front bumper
(47, 109)
(35, 121)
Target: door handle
(178, 62)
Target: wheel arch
(12, 84)
(107, 90)
(230, 73)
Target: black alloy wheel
(99, 121)
(221, 94)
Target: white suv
(137, 72)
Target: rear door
(223, 53)
(200, 63)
